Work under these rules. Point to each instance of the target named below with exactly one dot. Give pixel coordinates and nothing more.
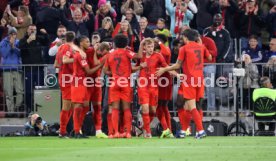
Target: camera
(38, 120)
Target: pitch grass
(138, 149)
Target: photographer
(36, 126)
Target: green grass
(138, 149)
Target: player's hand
(96, 46)
(43, 31)
(143, 65)
(159, 72)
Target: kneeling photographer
(36, 126)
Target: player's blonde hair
(148, 41)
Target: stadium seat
(264, 108)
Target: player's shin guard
(161, 117)
(167, 116)
(76, 119)
(97, 117)
(109, 124)
(127, 120)
(146, 121)
(115, 119)
(63, 121)
(197, 119)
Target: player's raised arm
(67, 60)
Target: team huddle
(82, 63)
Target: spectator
(162, 30)
(228, 9)
(64, 6)
(270, 70)
(154, 9)
(266, 83)
(96, 38)
(125, 29)
(32, 45)
(104, 10)
(22, 21)
(134, 5)
(249, 82)
(180, 16)
(12, 75)
(251, 22)
(131, 17)
(145, 32)
(221, 37)
(106, 30)
(254, 50)
(48, 18)
(271, 52)
(32, 51)
(61, 31)
(271, 20)
(203, 17)
(209, 70)
(78, 25)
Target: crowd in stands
(32, 30)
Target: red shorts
(66, 92)
(165, 93)
(95, 94)
(190, 92)
(148, 95)
(180, 89)
(79, 94)
(117, 93)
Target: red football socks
(83, 114)
(63, 121)
(115, 119)
(127, 120)
(109, 124)
(97, 116)
(197, 119)
(167, 116)
(146, 120)
(161, 117)
(76, 119)
(200, 113)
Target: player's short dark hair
(70, 36)
(79, 39)
(191, 35)
(120, 41)
(163, 38)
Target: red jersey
(65, 50)
(153, 61)
(90, 59)
(78, 67)
(119, 63)
(166, 53)
(211, 47)
(192, 55)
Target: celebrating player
(119, 65)
(191, 58)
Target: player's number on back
(199, 60)
(118, 62)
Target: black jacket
(223, 44)
(33, 52)
(251, 24)
(49, 18)
(154, 9)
